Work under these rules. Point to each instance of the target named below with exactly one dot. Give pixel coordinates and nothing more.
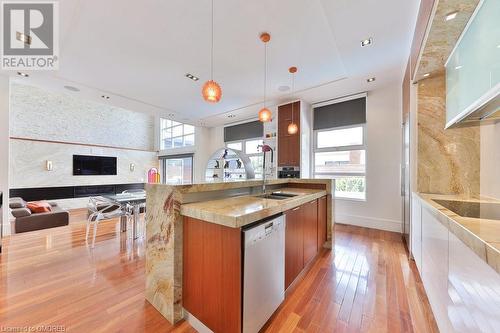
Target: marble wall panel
(27, 164)
(448, 160)
(45, 115)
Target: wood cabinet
(212, 274)
(322, 216)
(294, 244)
(310, 230)
(302, 236)
(288, 145)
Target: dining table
(134, 200)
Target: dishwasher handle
(263, 231)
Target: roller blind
(340, 114)
(167, 157)
(250, 130)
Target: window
(175, 135)
(177, 170)
(250, 148)
(340, 153)
(235, 145)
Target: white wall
(4, 150)
(382, 208)
(490, 160)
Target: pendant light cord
(265, 72)
(212, 49)
(293, 88)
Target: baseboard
(196, 323)
(369, 222)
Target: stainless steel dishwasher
(264, 272)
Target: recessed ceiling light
(171, 115)
(192, 77)
(498, 46)
(283, 88)
(366, 42)
(22, 74)
(426, 74)
(231, 115)
(71, 88)
(458, 67)
(370, 79)
(451, 15)
(105, 97)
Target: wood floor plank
(51, 277)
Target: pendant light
(265, 114)
(292, 127)
(211, 90)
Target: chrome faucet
(265, 149)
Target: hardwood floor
(51, 277)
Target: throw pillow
(39, 206)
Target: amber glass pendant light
(292, 127)
(211, 90)
(265, 114)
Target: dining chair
(103, 209)
(142, 206)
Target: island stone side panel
(164, 251)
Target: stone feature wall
(448, 160)
(69, 126)
(45, 115)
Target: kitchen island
(222, 208)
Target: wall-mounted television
(84, 165)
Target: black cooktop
(478, 210)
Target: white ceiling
(138, 52)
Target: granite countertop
(239, 211)
(481, 235)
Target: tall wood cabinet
(288, 144)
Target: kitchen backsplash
(449, 161)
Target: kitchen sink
(277, 196)
(271, 196)
(284, 194)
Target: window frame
(243, 145)
(172, 137)
(336, 175)
(163, 166)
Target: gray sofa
(29, 221)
